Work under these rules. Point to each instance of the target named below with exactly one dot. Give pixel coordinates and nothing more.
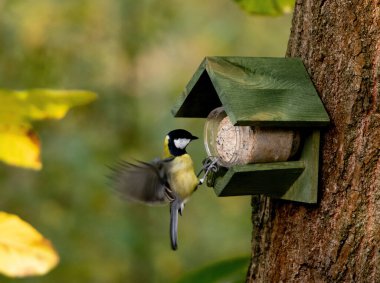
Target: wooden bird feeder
(263, 99)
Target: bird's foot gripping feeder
(263, 125)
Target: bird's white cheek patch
(181, 143)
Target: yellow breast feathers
(181, 176)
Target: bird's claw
(209, 164)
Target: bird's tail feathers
(174, 208)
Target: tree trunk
(337, 240)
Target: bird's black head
(177, 140)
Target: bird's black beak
(194, 138)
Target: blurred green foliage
(138, 56)
(266, 7)
(230, 270)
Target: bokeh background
(138, 56)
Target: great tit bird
(169, 179)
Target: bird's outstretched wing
(141, 181)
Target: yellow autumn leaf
(23, 250)
(19, 145)
(37, 104)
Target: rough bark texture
(337, 240)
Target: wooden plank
(262, 178)
(254, 91)
(266, 91)
(260, 72)
(272, 107)
(305, 188)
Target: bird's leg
(209, 164)
(181, 207)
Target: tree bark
(337, 240)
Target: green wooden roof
(254, 91)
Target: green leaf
(231, 270)
(267, 7)
(19, 144)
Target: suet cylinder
(238, 145)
